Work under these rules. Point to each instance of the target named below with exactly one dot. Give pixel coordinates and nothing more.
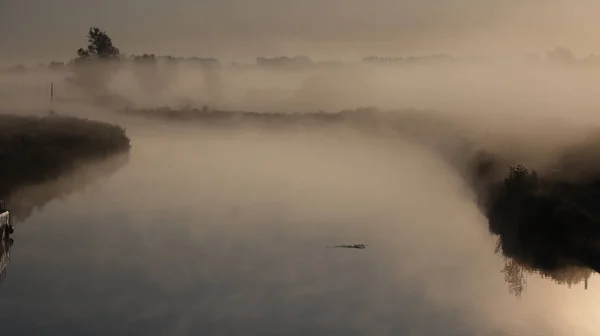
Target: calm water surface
(225, 233)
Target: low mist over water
(202, 196)
(224, 231)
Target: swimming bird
(354, 246)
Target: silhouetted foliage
(548, 224)
(145, 58)
(95, 64)
(30, 197)
(360, 117)
(99, 46)
(547, 221)
(38, 149)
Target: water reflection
(22, 202)
(6, 244)
(515, 274)
(223, 234)
(542, 228)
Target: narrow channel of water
(222, 232)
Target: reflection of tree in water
(5, 246)
(28, 198)
(25, 200)
(547, 220)
(548, 224)
(515, 275)
(44, 158)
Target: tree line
(100, 47)
(97, 62)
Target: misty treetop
(100, 45)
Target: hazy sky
(244, 29)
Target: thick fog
(220, 231)
(228, 224)
(494, 88)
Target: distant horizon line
(308, 59)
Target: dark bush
(37, 149)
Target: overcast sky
(243, 29)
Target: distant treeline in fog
(559, 55)
(101, 46)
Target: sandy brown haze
(251, 208)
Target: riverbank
(35, 149)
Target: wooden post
(52, 97)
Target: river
(224, 232)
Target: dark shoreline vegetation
(210, 116)
(546, 222)
(35, 150)
(547, 218)
(26, 199)
(366, 119)
(29, 197)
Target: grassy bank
(38, 149)
(225, 117)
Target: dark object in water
(6, 230)
(354, 246)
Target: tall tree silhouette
(92, 69)
(99, 46)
